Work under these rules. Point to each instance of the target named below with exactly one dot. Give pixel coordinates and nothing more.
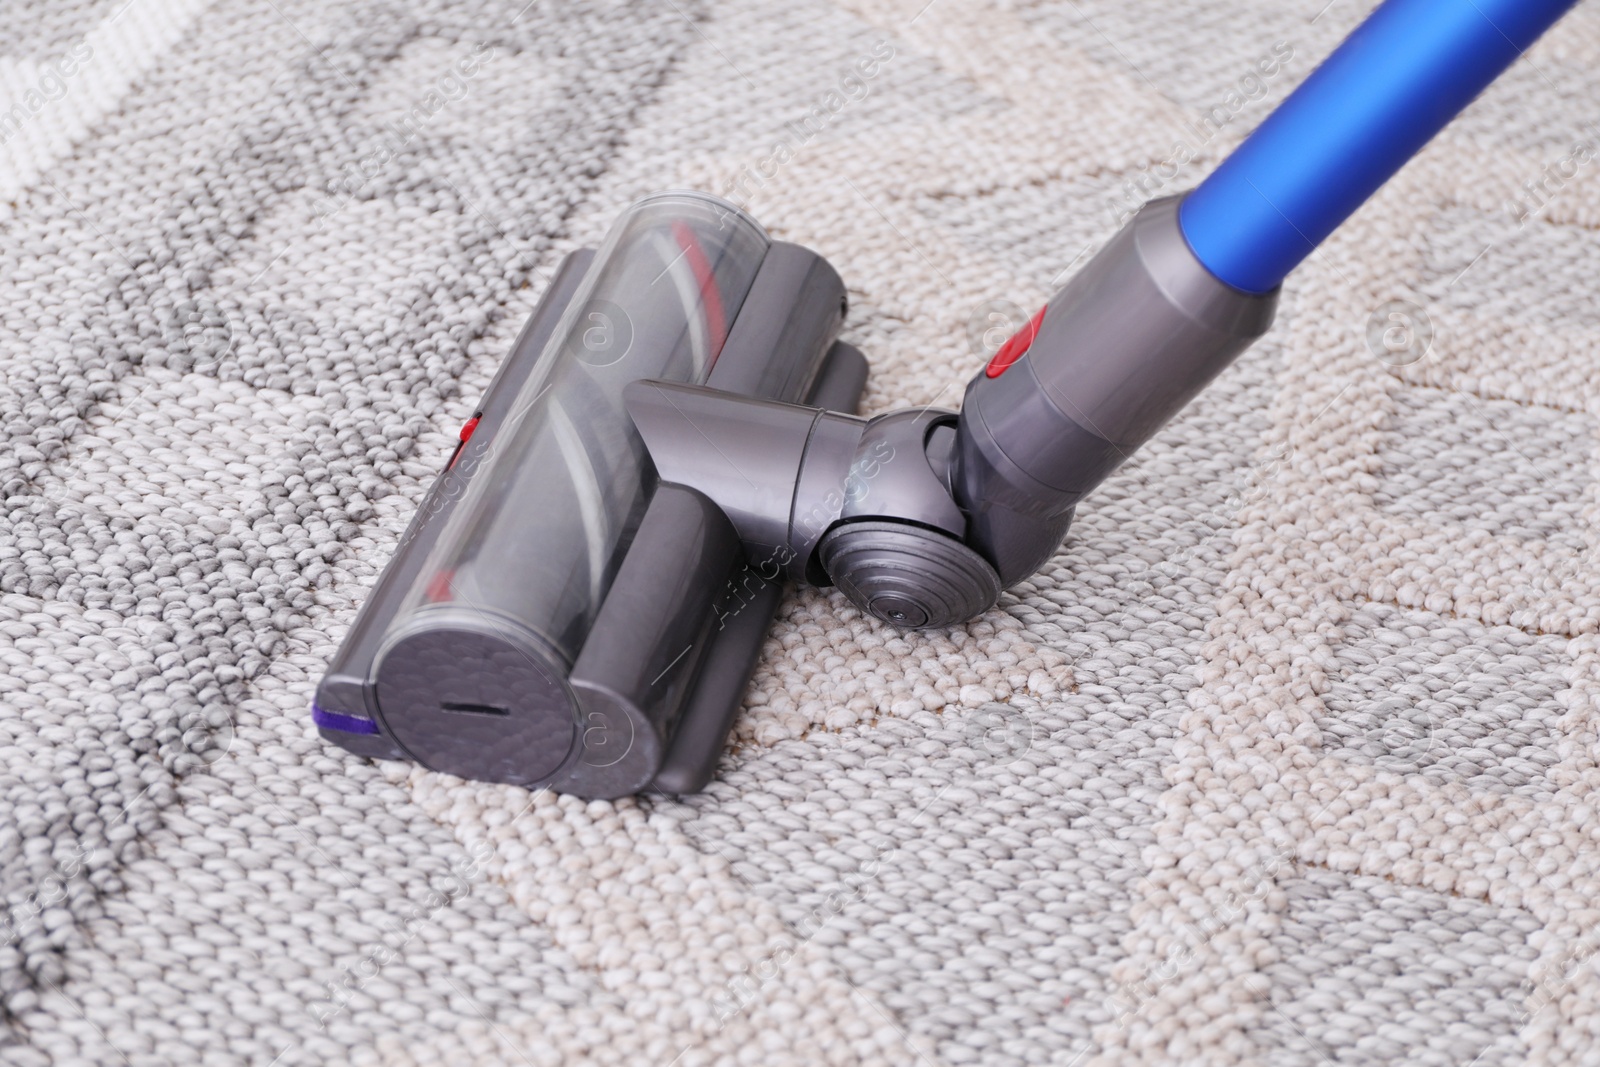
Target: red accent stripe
(466, 435)
(1017, 346)
(441, 587)
(716, 316)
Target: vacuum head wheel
(908, 575)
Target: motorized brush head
(554, 616)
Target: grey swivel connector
(864, 504)
(908, 575)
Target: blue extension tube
(1404, 73)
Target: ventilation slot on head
(474, 709)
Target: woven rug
(1286, 758)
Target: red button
(1017, 347)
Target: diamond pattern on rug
(1497, 267)
(1495, 466)
(1038, 231)
(220, 405)
(1195, 56)
(1371, 973)
(968, 869)
(1452, 701)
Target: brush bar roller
(534, 544)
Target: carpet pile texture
(1288, 756)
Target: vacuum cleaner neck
(1188, 284)
(1174, 297)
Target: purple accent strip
(350, 724)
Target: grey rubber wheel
(908, 575)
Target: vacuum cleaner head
(554, 616)
(581, 600)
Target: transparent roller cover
(478, 650)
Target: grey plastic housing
(1130, 340)
(544, 523)
(552, 616)
(865, 504)
(921, 517)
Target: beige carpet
(1288, 757)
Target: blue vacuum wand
(1394, 83)
(581, 599)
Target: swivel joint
(864, 504)
(922, 516)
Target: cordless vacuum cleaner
(579, 603)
